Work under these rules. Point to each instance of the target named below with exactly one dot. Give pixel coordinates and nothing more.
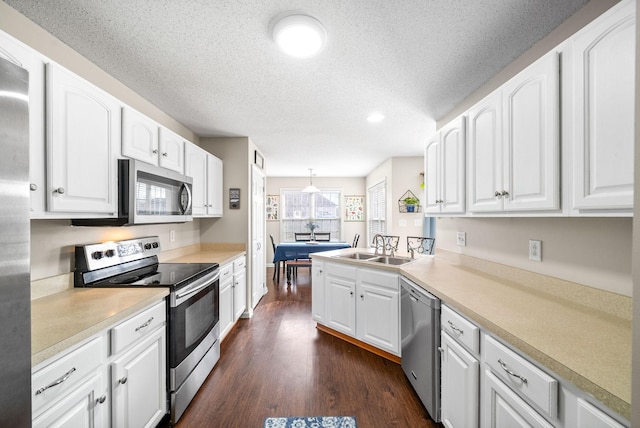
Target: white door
(83, 139)
(377, 317)
(138, 382)
(485, 155)
(460, 385)
(139, 136)
(214, 186)
(239, 293)
(531, 155)
(340, 308)
(226, 300)
(453, 167)
(171, 151)
(195, 166)
(317, 291)
(603, 82)
(432, 175)
(258, 264)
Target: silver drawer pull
(454, 328)
(57, 381)
(123, 380)
(101, 399)
(510, 373)
(145, 324)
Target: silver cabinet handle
(59, 190)
(496, 194)
(504, 193)
(123, 380)
(155, 151)
(56, 382)
(165, 154)
(351, 293)
(454, 328)
(145, 324)
(101, 399)
(362, 296)
(33, 187)
(510, 373)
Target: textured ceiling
(213, 66)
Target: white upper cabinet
(83, 141)
(514, 148)
(445, 170)
(139, 136)
(600, 114)
(145, 140)
(25, 57)
(206, 171)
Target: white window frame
(376, 214)
(288, 235)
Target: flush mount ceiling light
(310, 188)
(375, 117)
(299, 35)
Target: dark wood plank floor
(278, 364)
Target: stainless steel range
(193, 313)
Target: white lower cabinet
(460, 385)
(317, 290)
(233, 293)
(87, 387)
(362, 303)
(138, 383)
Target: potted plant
(411, 202)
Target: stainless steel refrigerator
(15, 301)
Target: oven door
(194, 313)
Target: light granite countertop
(68, 317)
(589, 347)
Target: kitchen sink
(359, 256)
(388, 260)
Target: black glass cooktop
(174, 275)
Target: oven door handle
(198, 286)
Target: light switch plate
(461, 240)
(535, 250)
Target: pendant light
(311, 188)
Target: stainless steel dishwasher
(420, 330)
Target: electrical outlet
(461, 240)
(535, 250)
(172, 236)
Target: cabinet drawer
(226, 272)
(522, 376)
(239, 264)
(380, 278)
(61, 376)
(137, 327)
(458, 327)
(341, 271)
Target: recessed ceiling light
(299, 35)
(375, 117)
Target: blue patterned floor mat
(311, 422)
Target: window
(377, 210)
(299, 209)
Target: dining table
(286, 251)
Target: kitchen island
(581, 335)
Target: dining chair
(276, 268)
(355, 240)
(420, 244)
(302, 237)
(323, 236)
(390, 243)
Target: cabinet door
(171, 151)
(603, 61)
(239, 293)
(460, 385)
(226, 306)
(139, 136)
(502, 408)
(452, 161)
(340, 309)
(195, 166)
(432, 175)
(317, 291)
(214, 186)
(485, 155)
(83, 139)
(591, 417)
(23, 56)
(86, 406)
(378, 317)
(138, 383)
(531, 172)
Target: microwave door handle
(185, 209)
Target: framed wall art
(273, 207)
(258, 160)
(354, 208)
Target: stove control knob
(156, 245)
(97, 255)
(109, 253)
(147, 246)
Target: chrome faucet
(375, 241)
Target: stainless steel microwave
(148, 194)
